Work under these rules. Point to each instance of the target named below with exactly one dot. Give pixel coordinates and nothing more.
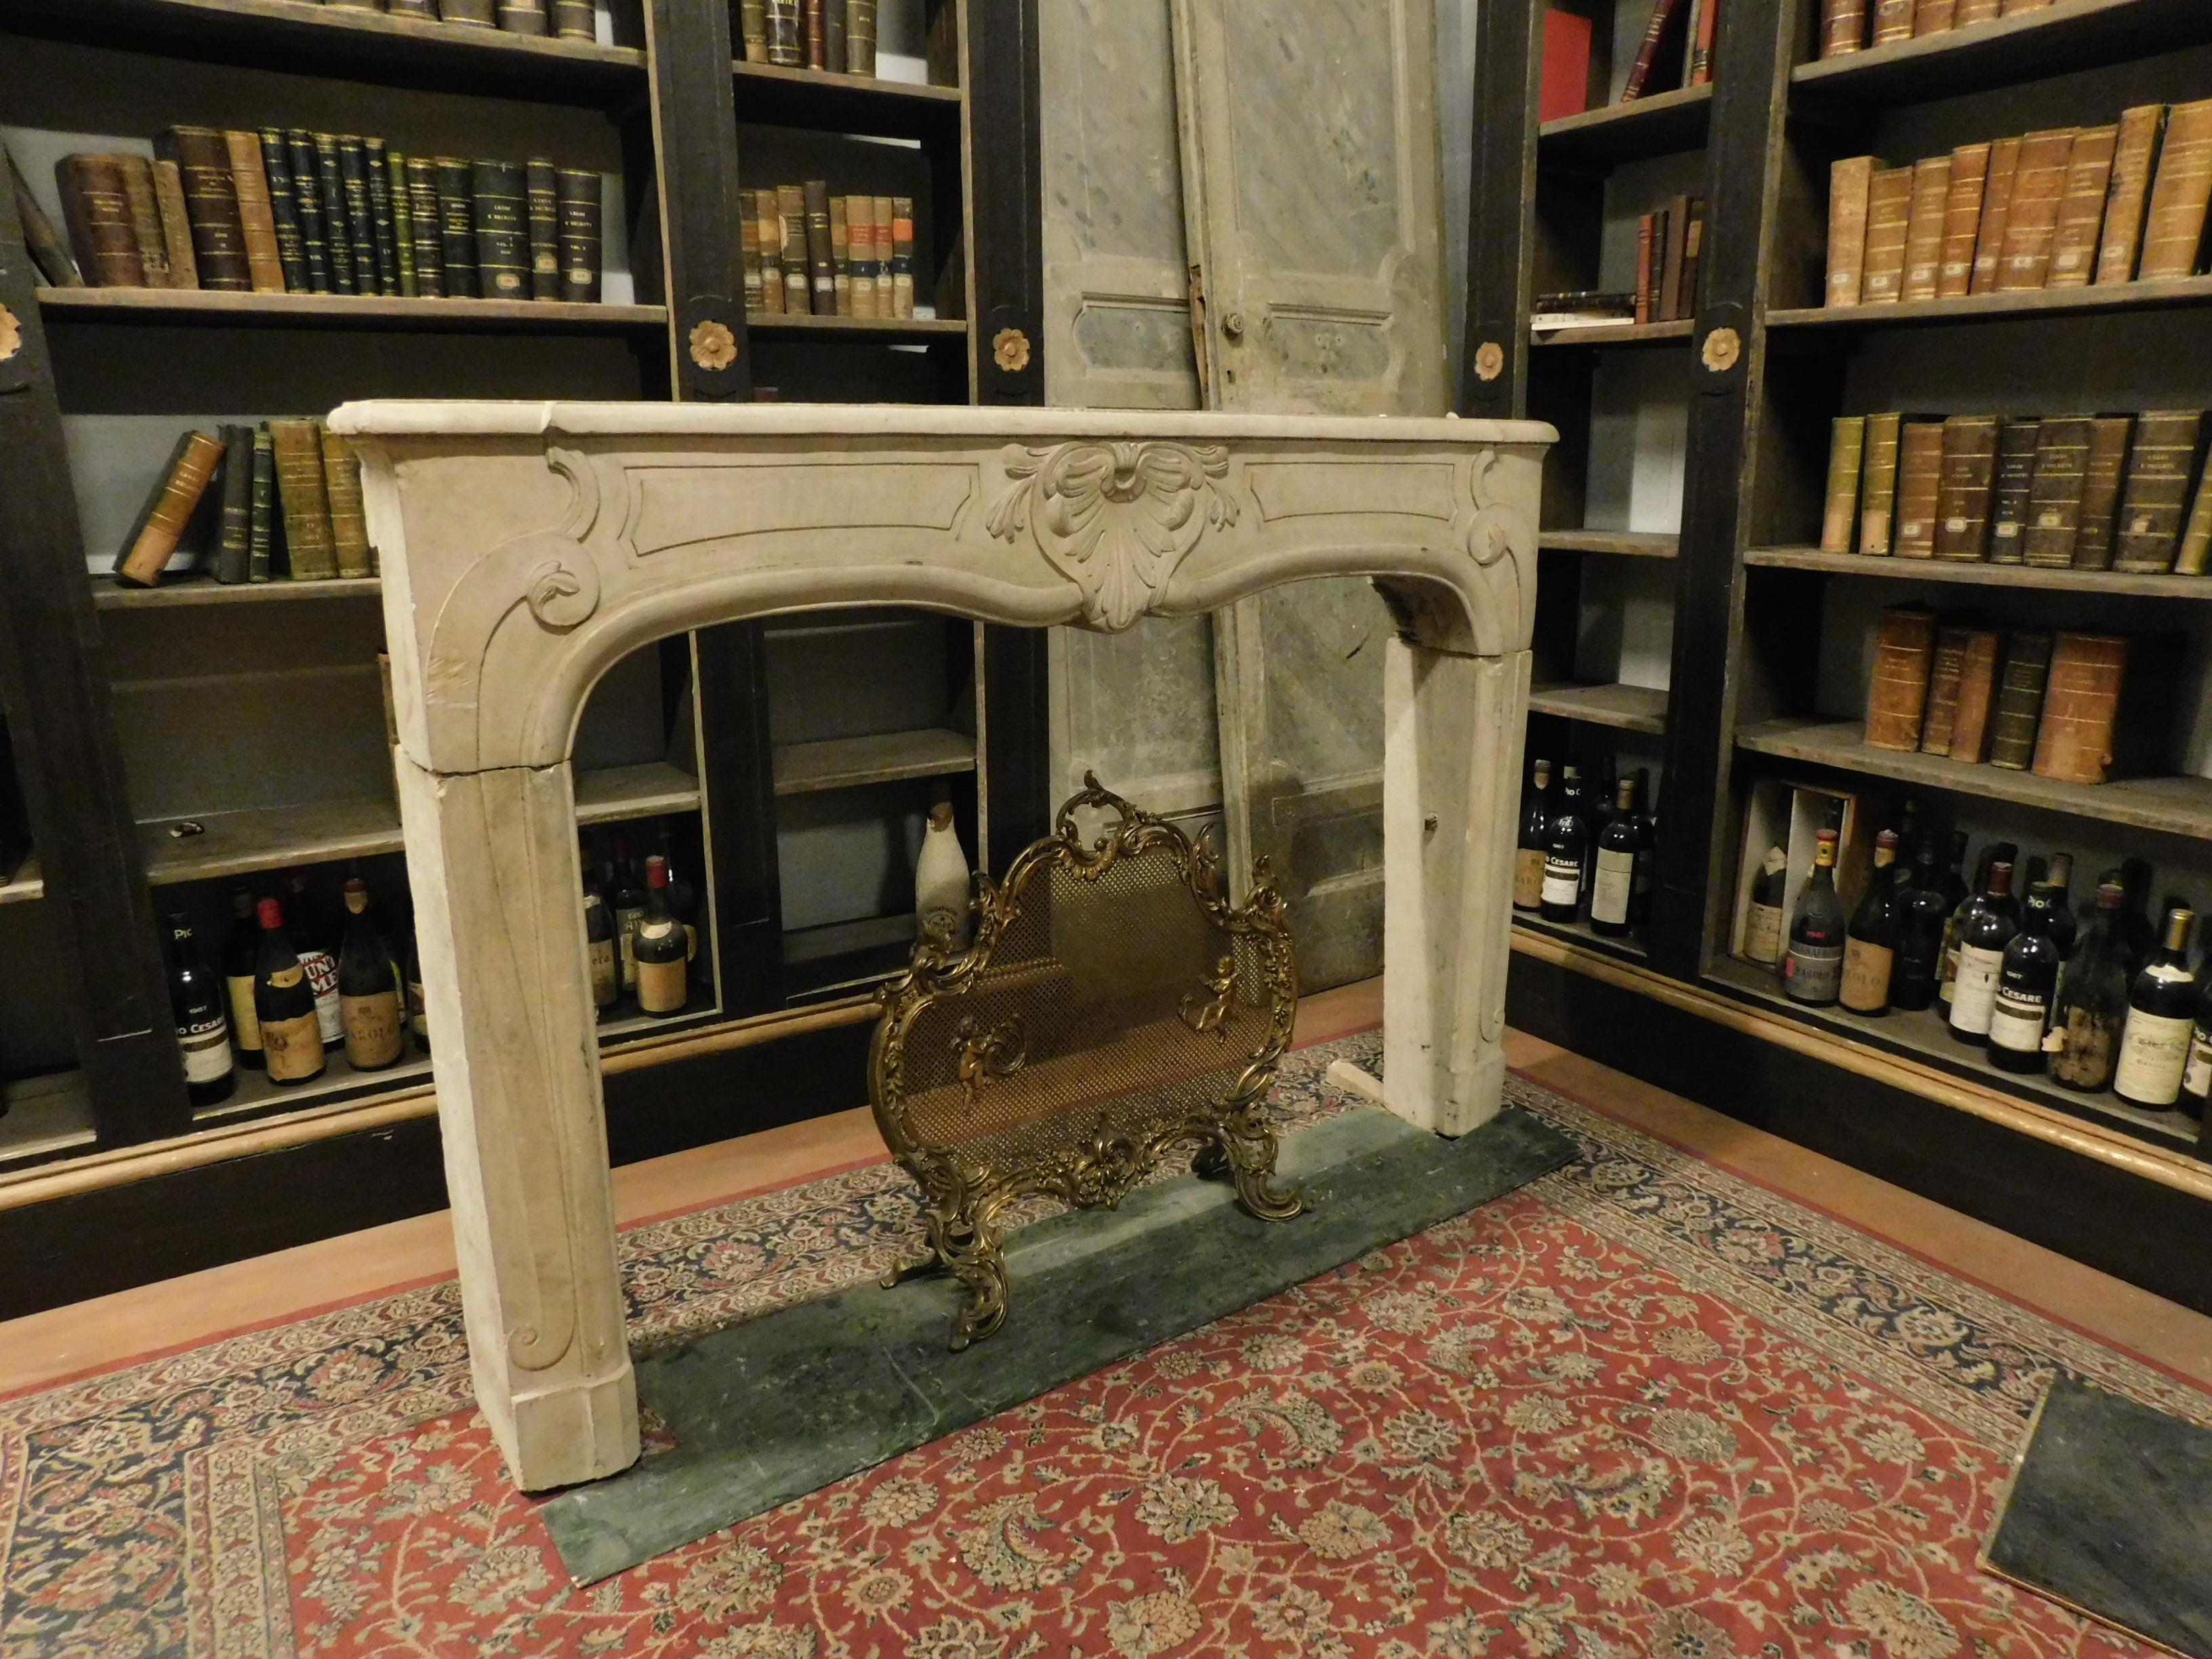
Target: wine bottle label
(2197, 1075)
(294, 1046)
(1867, 966)
(322, 970)
(1616, 880)
(606, 971)
(2017, 1019)
(661, 986)
(2153, 1053)
(372, 1028)
(206, 1047)
(1563, 881)
(1812, 972)
(1762, 933)
(1528, 877)
(1974, 989)
(242, 1020)
(626, 923)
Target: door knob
(1233, 325)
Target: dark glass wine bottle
(284, 1004)
(1813, 970)
(1764, 923)
(2051, 897)
(1561, 897)
(2161, 1020)
(1647, 851)
(418, 1013)
(2196, 1075)
(683, 902)
(2092, 1006)
(1987, 925)
(1597, 813)
(602, 955)
(1870, 943)
(238, 951)
(317, 942)
(368, 989)
(1923, 915)
(196, 997)
(1612, 890)
(2136, 924)
(627, 899)
(1535, 841)
(2028, 987)
(1964, 910)
(660, 946)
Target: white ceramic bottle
(941, 885)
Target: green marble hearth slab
(782, 1405)
(2111, 1513)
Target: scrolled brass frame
(968, 1187)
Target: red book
(1665, 14)
(1701, 55)
(1647, 228)
(1565, 88)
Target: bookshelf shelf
(2036, 304)
(2166, 806)
(205, 590)
(1624, 707)
(846, 957)
(257, 1097)
(1658, 125)
(1981, 575)
(1602, 336)
(652, 790)
(1627, 948)
(803, 768)
(1626, 543)
(2057, 40)
(46, 1117)
(29, 881)
(815, 101)
(770, 325)
(203, 307)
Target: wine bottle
(1988, 923)
(1870, 942)
(1647, 851)
(284, 1003)
(239, 952)
(368, 989)
(1963, 906)
(1535, 839)
(1613, 892)
(627, 899)
(2051, 897)
(2161, 1020)
(602, 956)
(203, 1032)
(682, 900)
(1763, 917)
(319, 954)
(1561, 898)
(2027, 989)
(418, 1016)
(1812, 968)
(2196, 1075)
(2136, 924)
(2091, 1008)
(659, 945)
(1923, 912)
(1911, 830)
(1597, 813)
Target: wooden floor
(181, 1312)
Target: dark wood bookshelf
(771, 324)
(1625, 543)
(816, 101)
(1952, 572)
(1625, 948)
(206, 308)
(1609, 335)
(1624, 707)
(2056, 40)
(2186, 293)
(1644, 127)
(205, 590)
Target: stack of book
(2066, 207)
(1581, 308)
(2061, 492)
(296, 212)
(806, 251)
(1677, 49)
(1844, 23)
(2034, 698)
(569, 19)
(1670, 254)
(835, 35)
(280, 500)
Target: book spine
(1972, 12)
(1846, 456)
(1893, 21)
(1670, 279)
(169, 509)
(261, 540)
(817, 44)
(426, 9)
(1889, 218)
(298, 453)
(1962, 220)
(833, 35)
(791, 209)
(542, 188)
(2173, 229)
(1962, 512)
(498, 200)
(145, 205)
(2130, 196)
(426, 221)
(349, 517)
(2073, 742)
(176, 225)
(860, 232)
(841, 255)
(1706, 37)
(902, 238)
(1934, 16)
(362, 228)
(524, 17)
(752, 29)
(573, 19)
(2102, 476)
(98, 215)
(307, 201)
(748, 248)
(1878, 508)
(1977, 678)
(2195, 549)
(2014, 8)
(1849, 181)
(284, 209)
(1947, 668)
(403, 222)
(2054, 509)
(256, 212)
(2036, 199)
(476, 13)
(457, 228)
(1996, 215)
(1647, 261)
(40, 240)
(211, 200)
(1663, 13)
(234, 546)
(1693, 257)
(2017, 440)
(768, 214)
(860, 37)
(2164, 460)
(786, 46)
(1919, 488)
(1897, 695)
(579, 205)
(1924, 234)
(338, 235)
(1843, 27)
(2018, 706)
(384, 223)
(2081, 209)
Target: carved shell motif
(1115, 519)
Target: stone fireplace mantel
(527, 547)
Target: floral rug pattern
(1639, 1407)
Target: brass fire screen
(1115, 1007)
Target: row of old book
(1845, 23)
(2030, 699)
(283, 498)
(835, 35)
(290, 211)
(806, 251)
(569, 19)
(2058, 492)
(1669, 253)
(2067, 207)
(1679, 33)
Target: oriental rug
(1641, 1407)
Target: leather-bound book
(211, 200)
(145, 203)
(786, 46)
(2054, 505)
(349, 517)
(97, 213)
(402, 204)
(1934, 16)
(752, 29)
(1919, 488)
(1962, 220)
(1846, 457)
(899, 222)
(160, 523)
(457, 228)
(2019, 709)
(748, 249)
(860, 37)
(841, 254)
(57, 266)
(234, 539)
(283, 208)
(1924, 235)
(578, 202)
(2018, 440)
(1970, 12)
(524, 17)
(338, 233)
(1670, 278)
(360, 216)
(305, 497)
(573, 19)
(1878, 501)
(1693, 257)
(2101, 478)
(499, 199)
(2074, 743)
(2013, 6)
(425, 224)
(1843, 27)
(817, 41)
(833, 36)
(1945, 667)
(2173, 228)
(1889, 219)
(2168, 446)
(426, 9)
(261, 535)
(383, 223)
(256, 212)
(1647, 267)
(1970, 467)
(821, 255)
(791, 209)
(1893, 21)
(1977, 685)
(307, 202)
(1996, 215)
(2133, 156)
(541, 189)
(1665, 16)
(176, 225)
(768, 213)
(2195, 549)
(476, 14)
(2036, 196)
(2082, 208)
(861, 230)
(1849, 182)
(1897, 695)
